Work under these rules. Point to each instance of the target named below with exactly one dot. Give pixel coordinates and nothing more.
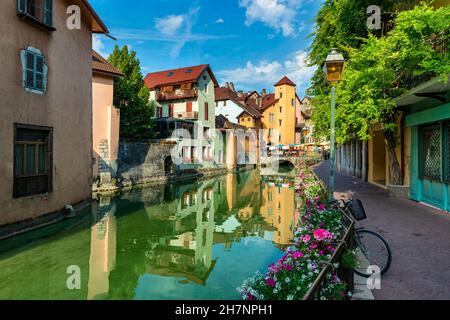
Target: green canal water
(193, 240)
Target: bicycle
(371, 248)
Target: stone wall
(140, 162)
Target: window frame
(23, 12)
(48, 172)
(422, 129)
(36, 54)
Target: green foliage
(131, 96)
(379, 68)
(349, 259)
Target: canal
(193, 240)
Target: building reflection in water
(181, 225)
(103, 247)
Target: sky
(252, 43)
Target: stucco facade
(65, 107)
(280, 116)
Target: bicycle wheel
(372, 250)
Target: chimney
(232, 86)
(263, 93)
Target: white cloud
(220, 21)
(170, 24)
(98, 45)
(267, 73)
(280, 15)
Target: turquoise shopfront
(427, 109)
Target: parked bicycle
(371, 248)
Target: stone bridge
(279, 166)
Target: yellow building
(279, 113)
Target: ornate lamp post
(333, 69)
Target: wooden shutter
(206, 111)
(188, 106)
(22, 6)
(48, 12)
(30, 67)
(39, 72)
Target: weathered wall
(140, 162)
(106, 123)
(66, 107)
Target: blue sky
(250, 42)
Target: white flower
(290, 297)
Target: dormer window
(37, 11)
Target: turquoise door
(430, 170)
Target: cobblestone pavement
(419, 237)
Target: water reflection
(196, 240)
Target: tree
(131, 96)
(380, 68)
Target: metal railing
(346, 241)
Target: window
(281, 95)
(38, 11)
(281, 109)
(280, 122)
(430, 158)
(159, 112)
(186, 86)
(170, 74)
(206, 88)
(434, 151)
(189, 71)
(279, 138)
(34, 70)
(32, 160)
(206, 111)
(292, 102)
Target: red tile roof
(248, 105)
(177, 76)
(285, 80)
(101, 65)
(268, 101)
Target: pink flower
(270, 282)
(322, 234)
(297, 255)
(322, 207)
(306, 238)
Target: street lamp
(333, 69)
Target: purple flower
(270, 282)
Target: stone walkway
(419, 237)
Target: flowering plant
(312, 248)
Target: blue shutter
(30, 64)
(22, 6)
(39, 72)
(48, 12)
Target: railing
(177, 94)
(186, 115)
(345, 242)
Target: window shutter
(30, 68)
(206, 111)
(22, 6)
(48, 12)
(39, 73)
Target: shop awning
(434, 88)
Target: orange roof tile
(177, 76)
(285, 80)
(101, 65)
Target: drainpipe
(402, 147)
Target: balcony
(186, 115)
(177, 94)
